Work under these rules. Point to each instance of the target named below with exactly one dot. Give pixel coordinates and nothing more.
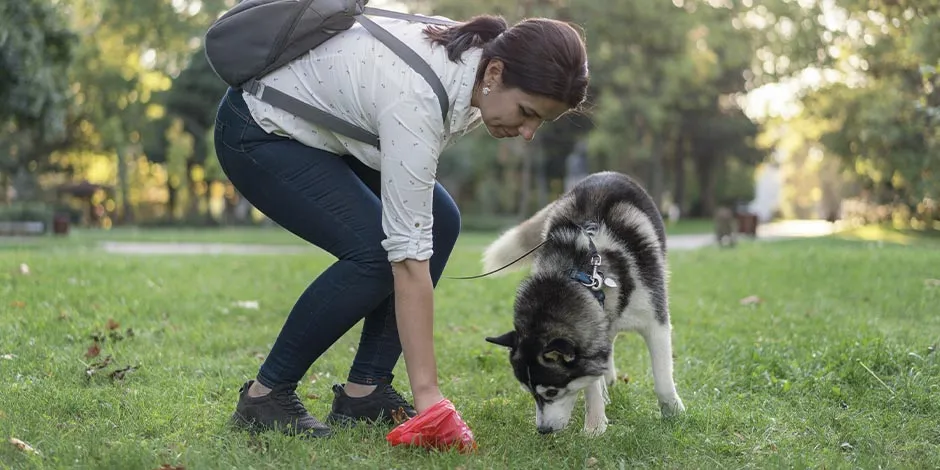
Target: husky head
(560, 345)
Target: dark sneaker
(280, 410)
(383, 405)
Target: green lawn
(835, 367)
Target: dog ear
(507, 339)
(559, 349)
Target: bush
(27, 212)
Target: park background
(138, 291)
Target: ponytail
(474, 33)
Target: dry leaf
(399, 416)
(932, 282)
(93, 350)
(113, 325)
(8, 357)
(591, 461)
(23, 446)
(167, 466)
(313, 396)
(63, 315)
(97, 366)
(18, 304)
(119, 374)
(24, 269)
(625, 378)
(751, 300)
(249, 304)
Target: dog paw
(594, 427)
(673, 408)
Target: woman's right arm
(411, 133)
(414, 312)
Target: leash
(502, 268)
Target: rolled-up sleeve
(411, 135)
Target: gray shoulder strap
(405, 16)
(411, 57)
(310, 113)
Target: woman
(390, 225)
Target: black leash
(502, 268)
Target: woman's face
(511, 112)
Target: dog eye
(551, 393)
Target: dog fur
(563, 335)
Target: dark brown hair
(540, 56)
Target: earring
(486, 90)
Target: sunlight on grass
(889, 234)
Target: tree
(35, 52)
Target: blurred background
(777, 109)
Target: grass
(834, 367)
(254, 234)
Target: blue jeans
(332, 202)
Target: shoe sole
(240, 422)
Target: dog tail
(515, 242)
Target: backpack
(256, 37)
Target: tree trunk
(127, 211)
(525, 186)
(657, 173)
(705, 168)
(679, 175)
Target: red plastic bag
(437, 427)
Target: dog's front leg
(659, 341)
(595, 418)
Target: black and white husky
(601, 270)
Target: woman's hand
(414, 312)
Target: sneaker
(280, 410)
(383, 405)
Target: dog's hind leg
(610, 375)
(595, 401)
(659, 341)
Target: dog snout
(546, 429)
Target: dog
(724, 227)
(601, 269)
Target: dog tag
(610, 282)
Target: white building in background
(767, 192)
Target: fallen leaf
(167, 466)
(93, 350)
(63, 315)
(8, 357)
(113, 325)
(751, 300)
(97, 366)
(313, 396)
(399, 416)
(24, 269)
(740, 437)
(625, 378)
(18, 304)
(23, 446)
(119, 374)
(249, 304)
(932, 282)
(591, 461)
(259, 356)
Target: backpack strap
(310, 113)
(412, 58)
(315, 115)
